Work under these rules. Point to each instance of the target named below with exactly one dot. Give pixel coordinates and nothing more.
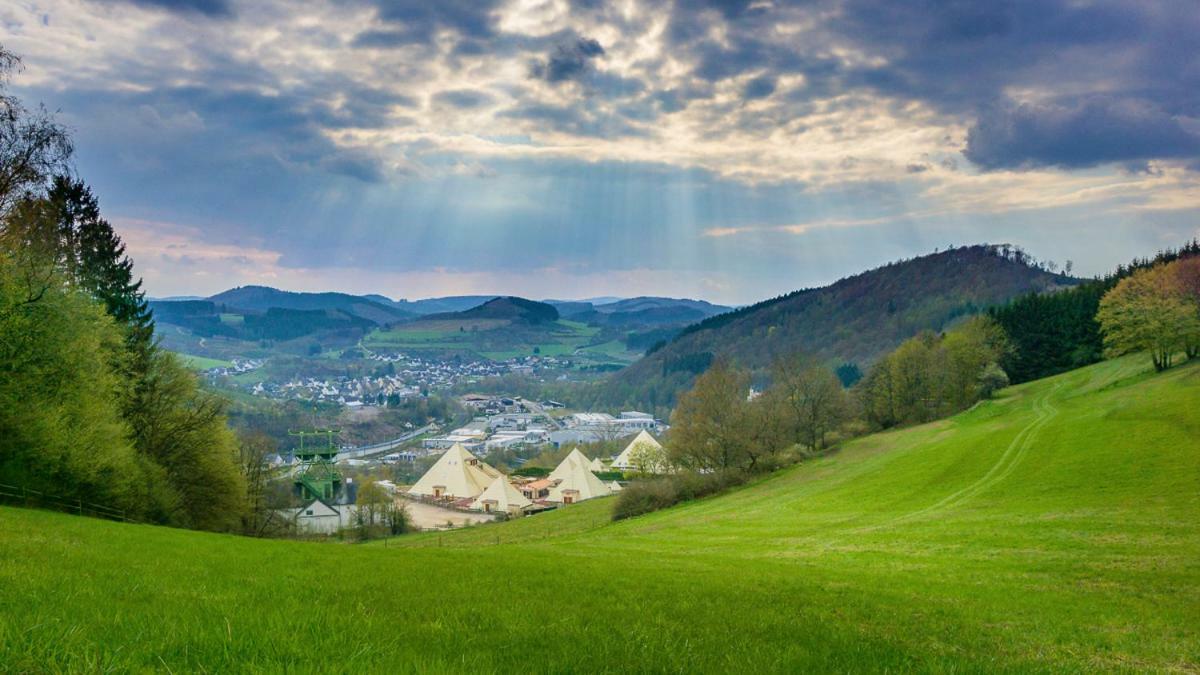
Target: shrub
(646, 496)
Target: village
(396, 376)
(460, 488)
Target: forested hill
(263, 298)
(853, 320)
(518, 310)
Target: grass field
(1054, 529)
(203, 362)
(498, 341)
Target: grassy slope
(1056, 529)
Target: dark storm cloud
(1077, 134)
(202, 130)
(961, 57)
(570, 60)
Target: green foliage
(859, 319)
(96, 261)
(1151, 311)
(61, 429)
(1056, 332)
(88, 406)
(931, 376)
(849, 374)
(654, 494)
(183, 429)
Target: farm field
(498, 340)
(203, 362)
(1056, 528)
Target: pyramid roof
(615, 486)
(597, 465)
(578, 477)
(504, 496)
(459, 473)
(564, 467)
(643, 442)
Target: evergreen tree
(95, 258)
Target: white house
(321, 518)
(456, 475)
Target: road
(366, 451)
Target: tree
(261, 516)
(811, 395)
(1148, 311)
(1186, 273)
(708, 425)
(877, 396)
(33, 145)
(95, 258)
(183, 429)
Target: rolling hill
(263, 298)
(855, 319)
(1054, 529)
(508, 308)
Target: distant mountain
(856, 319)
(263, 298)
(512, 309)
(641, 304)
(177, 298)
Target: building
(501, 497)
(456, 475)
(644, 454)
(576, 482)
(317, 517)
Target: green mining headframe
(317, 476)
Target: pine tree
(95, 259)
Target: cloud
(1077, 134)
(570, 60)
(759, 87)
(463, 98)
(208, 8)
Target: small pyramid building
(456, 475)
(501, 497)
(597, 466)
(563, 469)
(643, 445)
(576, 482)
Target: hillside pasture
(1054, 529)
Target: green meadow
(1054, 529)
(203, 362)
(498, 340)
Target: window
(308, 512)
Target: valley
(1014, 537)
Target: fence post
(79, 504)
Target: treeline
(723, 431)
(1052, 333)
(90, 407)
(1155, 310)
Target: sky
(727, 150)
